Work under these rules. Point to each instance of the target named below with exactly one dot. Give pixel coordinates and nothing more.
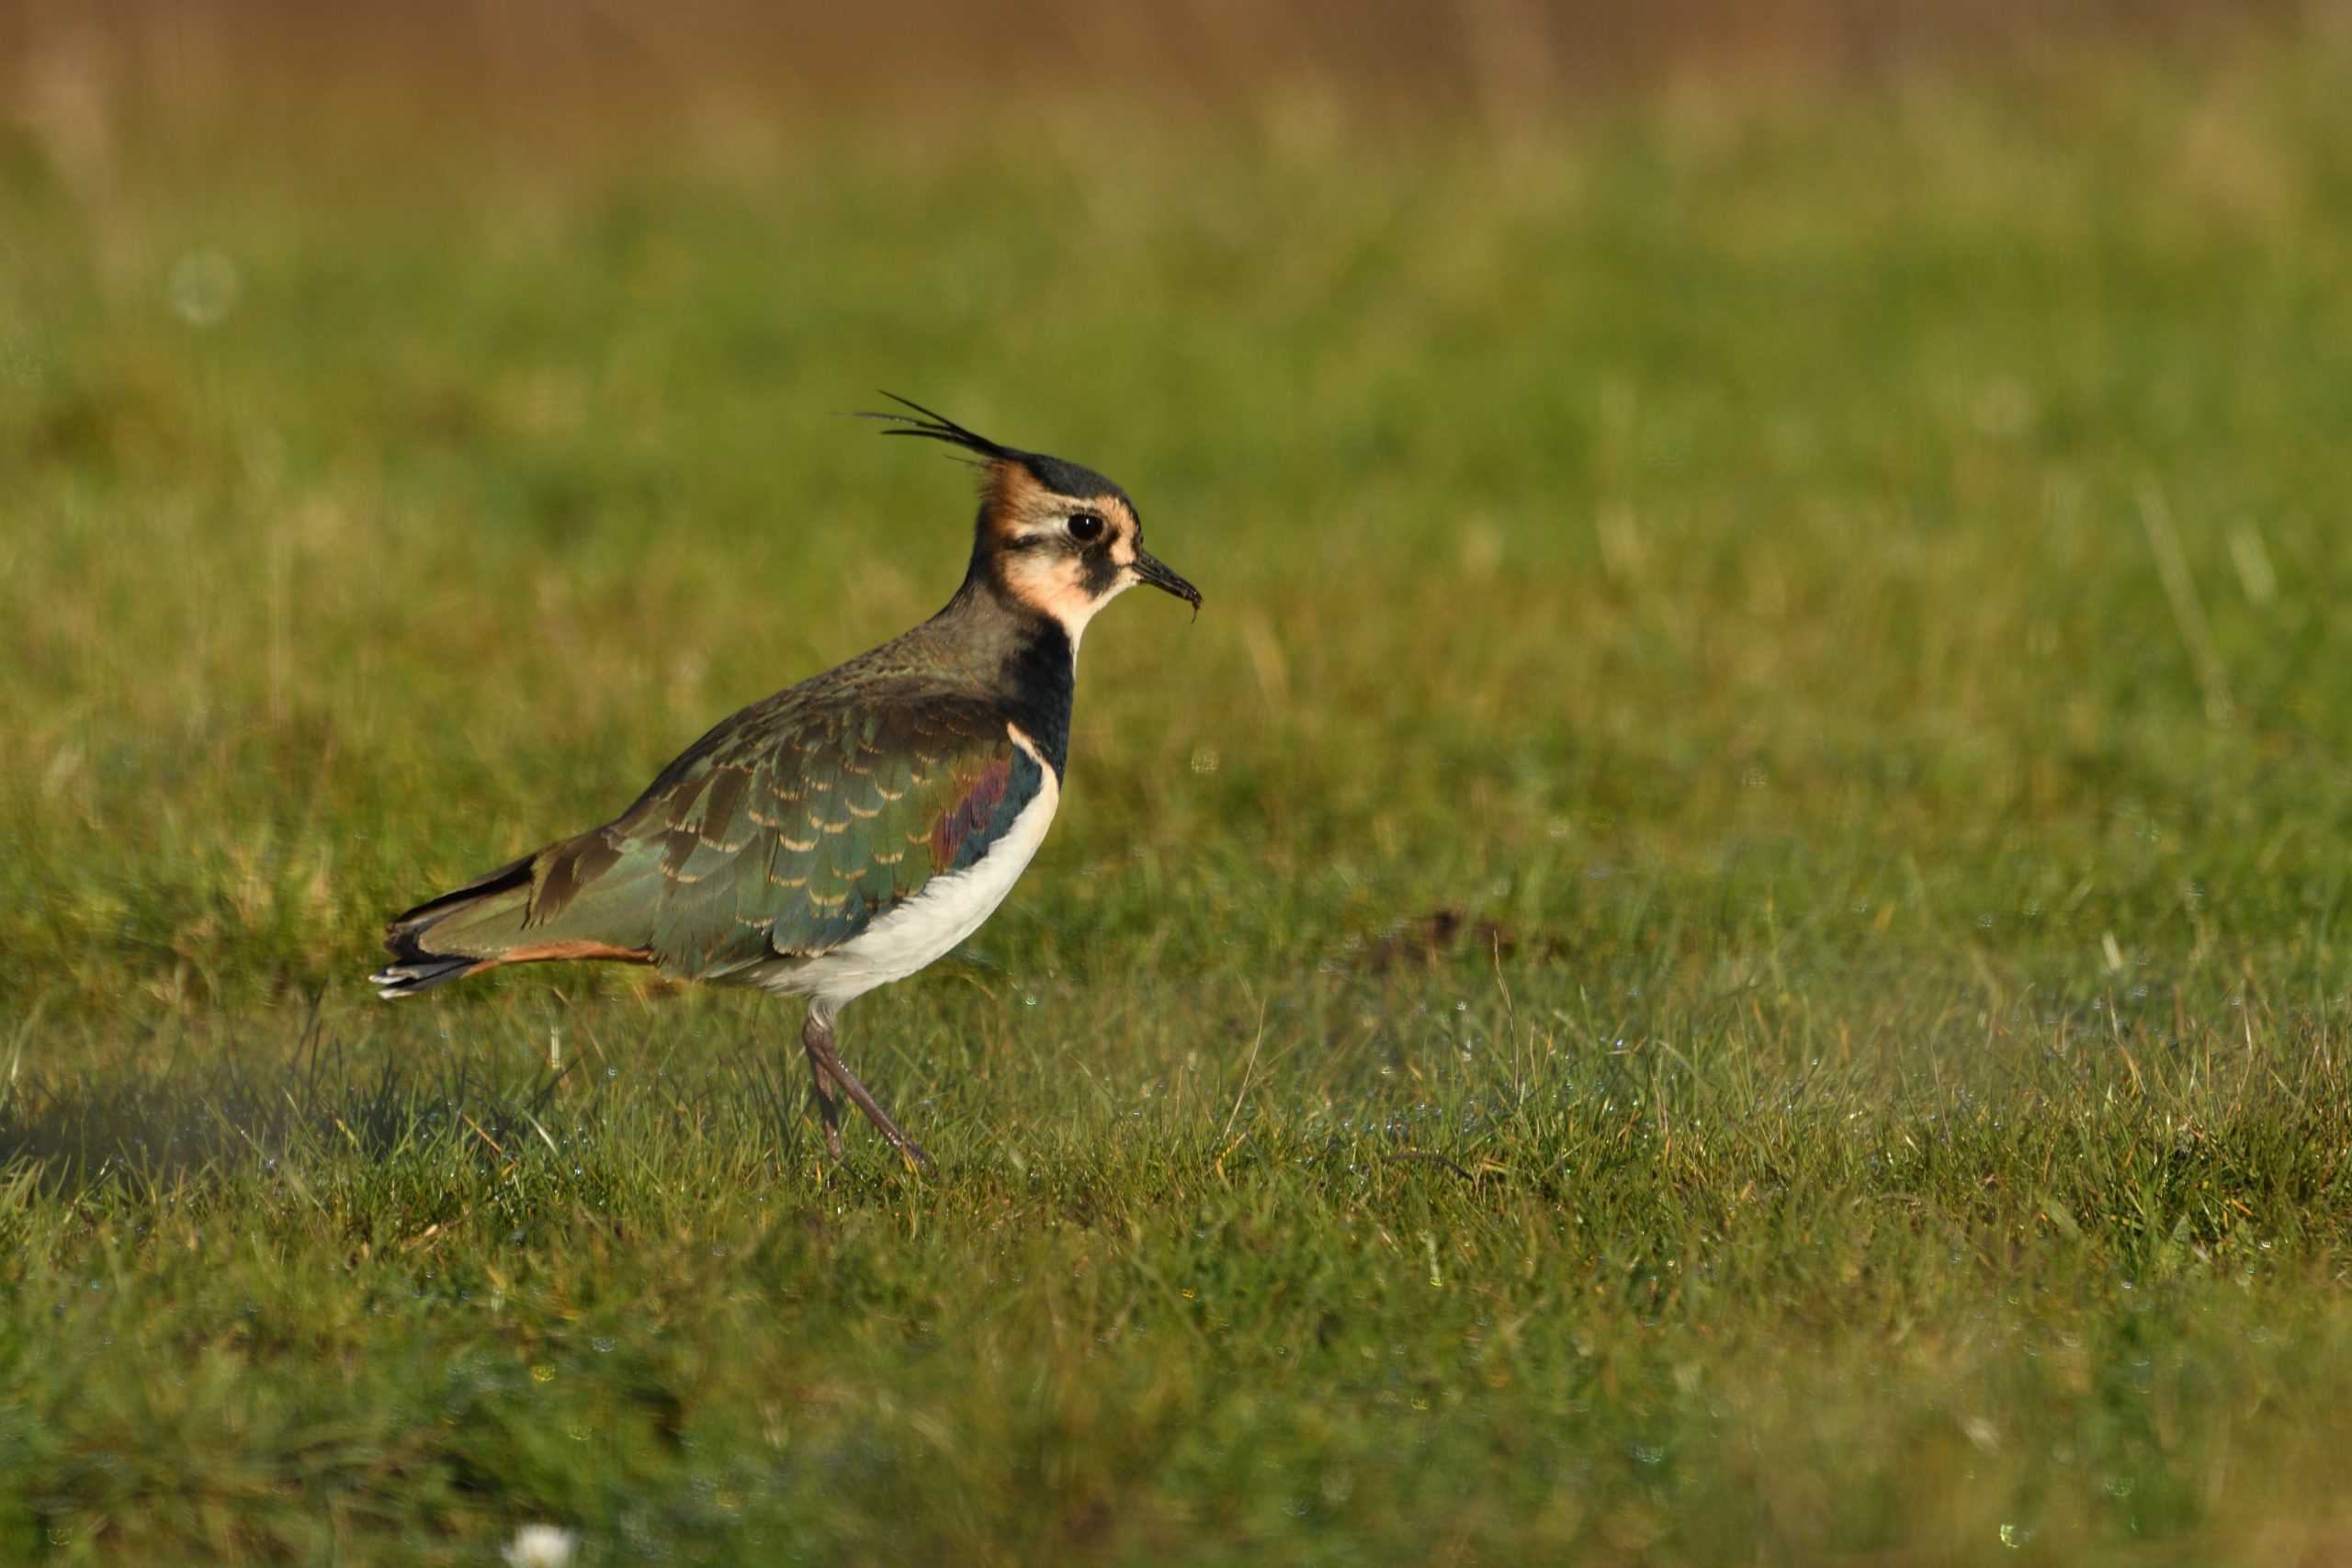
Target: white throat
(1071, 613)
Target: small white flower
(203, 288)
(540, 1546)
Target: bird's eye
(1085, 527)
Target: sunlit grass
(1720, 946)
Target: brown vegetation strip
(456, 69)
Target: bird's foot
(825, 1064)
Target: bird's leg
(816, 1038)
(819, 1038)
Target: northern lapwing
(848, 831)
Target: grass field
(1724, 944)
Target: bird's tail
(524, 913)
(459, 933)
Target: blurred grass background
(1772, 691)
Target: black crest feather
(938, 427)
(1056, 474)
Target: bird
(851, 829)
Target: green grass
(1774, 689)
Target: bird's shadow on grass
(187, 1121)
(203, 1116)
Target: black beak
(1149, 570)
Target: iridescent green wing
(786, 834)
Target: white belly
(928, 925)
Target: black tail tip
(396, 980)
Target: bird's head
(1053, 536)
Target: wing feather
(787, 834)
